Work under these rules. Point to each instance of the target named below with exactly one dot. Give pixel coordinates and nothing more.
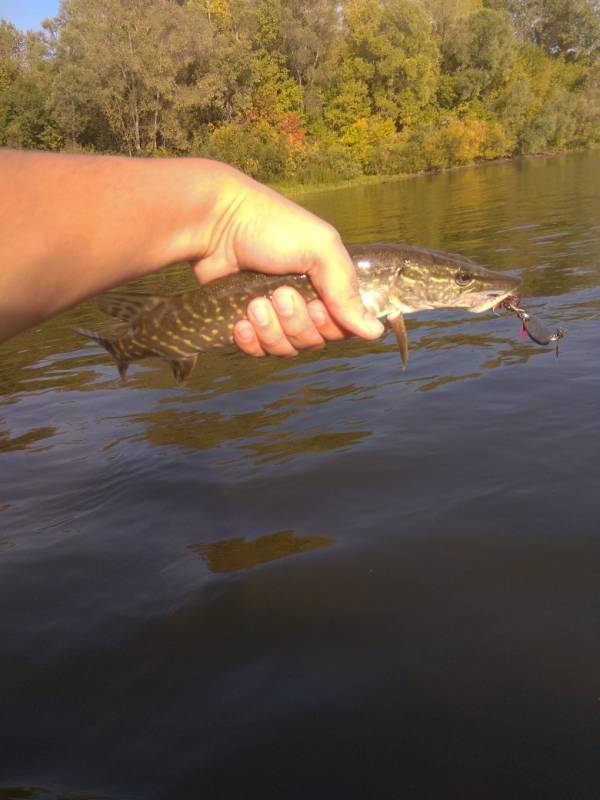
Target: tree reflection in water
(232, 555)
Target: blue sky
(27, 14)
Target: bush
(256, 148)
(370, 140)
(327, 163)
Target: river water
(326, 577)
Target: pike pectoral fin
(182, 367)
(127, 305)
(398, 325)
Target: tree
(309, 89)
(309, 31)
(390, 47)
(570, 28)
(140, 64)
(446, 13)
(481, 53)
(25, 120)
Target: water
(326, 577)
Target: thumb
(335, 279)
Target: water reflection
(448, 573)
(24, 793)
(197, 430)
(41, 793)
(312, 394)
(232, 555)
(25, 441)
(281, 448)
(518, 354)
(444, 380)
(261, 434)
(452, 341)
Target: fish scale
(394, 279)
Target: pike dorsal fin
(127, 305)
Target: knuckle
(250, 349)
(331, 235)
(294, 327)
(307, 340)
(272, 338)
(314, 343)
(292, 349)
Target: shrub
(256, 148)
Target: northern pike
(394, 279)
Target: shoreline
(295, 189)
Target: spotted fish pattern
(394, 279)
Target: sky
(27, 14)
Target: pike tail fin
(109, 345)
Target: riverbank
(295, 188)
(291, 188)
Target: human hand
(260, 229)
(129, 217)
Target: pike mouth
(491, 300)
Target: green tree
(480, 55)
(309, 89)
(309, 32)
(541, 103)
(25, 120)
(11, 49)
(275, 94)
(570, 28)
(392, 47)
(139, 64)
(445, 14)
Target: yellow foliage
(370, 139)
(217, 11)
(464, 140)
(499, 142)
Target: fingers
(268, 233)
(269, 335)
(324, 322)
(295, 321)
(265, 232)
(334, 278)
(285, 325)
(246, 339)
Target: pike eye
(462, 278)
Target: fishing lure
(533, 326)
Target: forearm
(73, 226)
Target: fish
(394, 279)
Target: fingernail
(317, 314)
(244, 331)
(259, 312)
(372, 324)
(283, 300)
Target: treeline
(307, 90)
